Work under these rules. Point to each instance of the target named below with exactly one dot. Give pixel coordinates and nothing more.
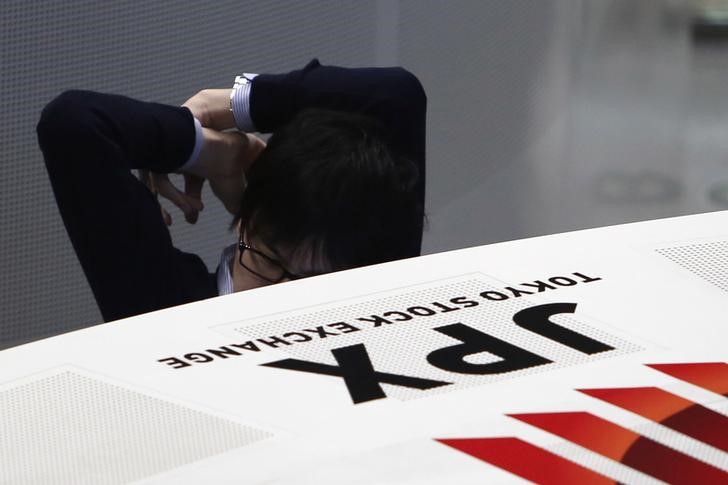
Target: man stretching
(339, 185)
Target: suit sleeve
(90, 141)
(391, 95)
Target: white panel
(70, 428)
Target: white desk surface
(102, 405)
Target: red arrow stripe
(527, 461)
(626, 446)
(681, 415)
(712, 376)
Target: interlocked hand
(223, 161)
(189, 201)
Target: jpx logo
(364, 381)
(462, 333)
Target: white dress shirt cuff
(240, 104)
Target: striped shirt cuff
(240, 104)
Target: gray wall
(544, 116)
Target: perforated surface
(401, 346)
(708, 260)
(69, 428)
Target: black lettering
(320, 331)
(516, 292)
(273, 342)
(452, 359)
(494, 295)
(303, 337)
(355, 367)
(463, 300)
(198, 357)
(249, 345)
(421, 311)
(445, 308)
(557, 280)
(586, 279)
(344, 327)
(539, 285)
(223, 352)
(537, 320)
(376, 320)
(174, 362)
(403, 317)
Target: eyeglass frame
(243, 246)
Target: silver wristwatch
(240, 81)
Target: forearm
(86, 128)
(266, 102)
(391, 95)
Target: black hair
(329, 183)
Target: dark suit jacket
(90, 141)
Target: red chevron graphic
(712, 376)
(527, 461)
(681, 415)
(616, 442)
(626, 446)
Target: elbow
(64, 118)
(410, 91)
(417, 92)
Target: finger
(154, 180)
(193, 190)
(146, 178)
(191, 217)
(170, 192)
(257, 144)
(188, 205)
(166, 217)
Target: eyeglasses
(275, 272)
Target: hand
(227, 176)
(224, 159)
(189, 201)
(212, 108)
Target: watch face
(244, 79)
(239, 81)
